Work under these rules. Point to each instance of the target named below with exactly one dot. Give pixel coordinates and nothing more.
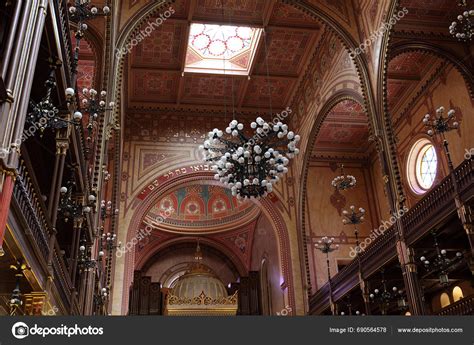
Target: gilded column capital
(62, 147)
(9, 172)
(34, 303)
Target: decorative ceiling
(158, 69)
(200, 208)
(428, 17)
(344, 130)
(406, 73)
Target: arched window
(457, 294)
(444, 300)
(422, 166)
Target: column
(410, 278)
(61, 150)
(34, 303)
(466, 214)
(22, 52)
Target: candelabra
(95, 105)
(441, 125)
(105, 174)
(354, 217)
(15, 301)
(85, 261)
(440, 264)
(107, 242)
(68, 207)
(45, 114)
(326, 246)
(463, 27)
(384, 298)
(101, 298)
(348, 307)
(106, 210)
(80, 12)
(343, 181)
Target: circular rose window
(422, 166)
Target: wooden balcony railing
(26, 196)
(464, 306)
(417, 222)
(33, 211)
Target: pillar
(410, 278)
(34, 303)
(21, 55)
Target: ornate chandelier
(440, 263)
(463, 27)
(440, 124)
(343, 181)
(45, 114)
(250, 166)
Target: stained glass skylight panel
(427, 167)
(221, 48)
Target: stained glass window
(427, 166)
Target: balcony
(464, 306)
(30, 212)
(436, 205)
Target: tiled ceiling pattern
(405, 73)
(344, 130)
(155, 66)
(429, 14)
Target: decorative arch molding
(131, 27)
(155, 251)
(268, 209)
(425, 47)
(385, 138)
(335, 99)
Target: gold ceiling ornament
(202, 299)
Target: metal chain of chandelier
(250, 166)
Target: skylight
(221, 48)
